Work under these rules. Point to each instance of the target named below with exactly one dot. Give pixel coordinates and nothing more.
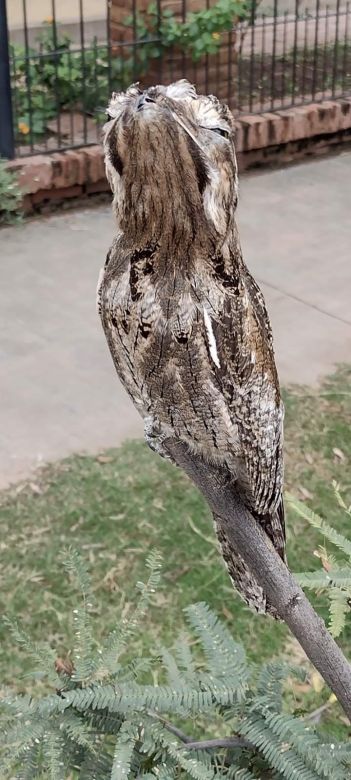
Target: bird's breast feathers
(197, 356)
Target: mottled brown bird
(185, 321)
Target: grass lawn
(117, 506)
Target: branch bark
(205, 744)
(283, 592)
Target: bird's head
(167, 147)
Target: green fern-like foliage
(104, 718)
(334, 576)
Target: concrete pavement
(59, 393)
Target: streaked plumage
(185, 321)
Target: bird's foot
(155, 436)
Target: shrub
(108, 718)
(10, 196)
(334, 576)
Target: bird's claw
(155, 437)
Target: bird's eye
(221, 131)
(108, 116)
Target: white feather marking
(211, 339)
(180, 90)
(179, 122)
(98, 290)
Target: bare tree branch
(170, 727)
(206, 744)
(282, 590)
(224, 742)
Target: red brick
(329, 113)
(311, 119)
(345, 116)
(99, 186)
(95, 169)
(61, 174)
(239, 137)
(304, 123)
(299, 126)
(275, 128)
(255, 132)
(57, 194)
(78, 164)
(286, 128)
(27, 204)
(34, 173)
(69, 168)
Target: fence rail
(60, 73)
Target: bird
(185, 321)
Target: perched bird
(185, 321)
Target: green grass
(117, 506)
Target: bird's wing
(241, 347)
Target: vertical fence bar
(13, 95)
(171, 62)
(231, 53)
(82, 55)
(43, 97)
(96, 79)
(195, 72)
(315, 54)
(263, 75)
(252, 53)
(28, 75)
(135, 36)
(325, 52)
(183, 20)
(7, 143)
(336, 48)
(293, 85)
(346, 38)
(240, 67)
(217, 80)
(159, 39)
(108, 39)
(282, 92)
(273, 74)
(303, 84)
(55, 56)
(71, 126)
(206, 59)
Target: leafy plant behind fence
(57, 76)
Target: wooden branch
(170, 727)
(205, 744)
(215, 744)
(283, 592)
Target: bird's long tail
(242, 578)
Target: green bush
(198, 34)
(334, 576)
(10, 196)
(112, 715)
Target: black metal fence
(60, 72)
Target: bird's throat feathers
(162, 177)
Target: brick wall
(267, 138)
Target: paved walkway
(59, 393)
